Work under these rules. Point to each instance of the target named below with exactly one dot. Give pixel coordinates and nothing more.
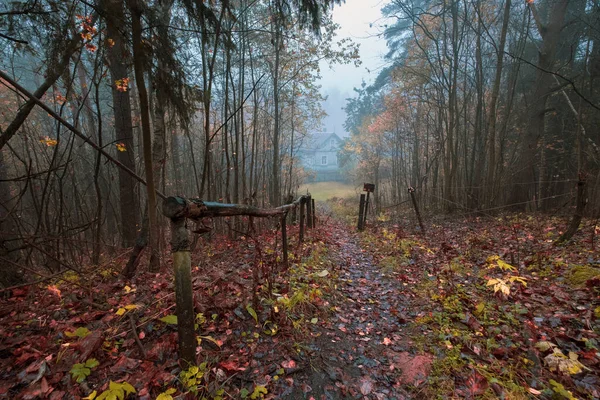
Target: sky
(360, 20)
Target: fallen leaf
(365, 385)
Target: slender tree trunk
(492, 117)
(138, 56)
(275, 172)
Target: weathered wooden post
(284, 240)
(411, 191)
(364, 224)
(314, 213)
(175, 209)
(309, 219)
(369, 188)
(361, 210)
(302, 204)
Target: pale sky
(361, 21)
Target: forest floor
(477, 308)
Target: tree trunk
(138, 62)
(117, 56)
(550, 34)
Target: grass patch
(322, 191)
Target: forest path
(361, 351)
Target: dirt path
(360, 351)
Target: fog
(361, 21)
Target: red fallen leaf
(588, 355)
(20, 292)
(5, 388)
(142, 335)
(58, 395)
(53, 289)
(44, 386)
(32, 392)
(89, 344)
(387, 341)
(124, 364)
(476, 384)
(289, 364)
(231, 365)
(24, 357)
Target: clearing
(321, 191)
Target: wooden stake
(366, 211)
(314, 213)
(284, 240)
(309, 219)
(180, 246)
(302, 204)
(361, 212)
(411, 190)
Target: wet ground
(361, 351)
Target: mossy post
(284, 240)
(182, 265)
(314, 213)
(361, 211)
(309, 219)
(302, 203)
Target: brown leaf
(366, 385)
(414, 369)
(124, 364)
(90, 344)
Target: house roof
(319, 139)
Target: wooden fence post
(284, 240)
(411, 190)
(309, 219)
(180, 246)
(366, 211)
(314, 213)
(361, 210)
(302, 204)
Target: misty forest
(177, 220)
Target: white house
(319, 156)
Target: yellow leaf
(121, 147)
(91, 396)
(519, 279)
(49, 142)
(544, 345)
(499, 285)
(505, 266)
(211, 339)
(122, 84)
(121, 311)
(557, 361)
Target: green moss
(579, 274)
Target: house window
(332, 143)
(324, 160)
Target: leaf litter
(481, 308)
